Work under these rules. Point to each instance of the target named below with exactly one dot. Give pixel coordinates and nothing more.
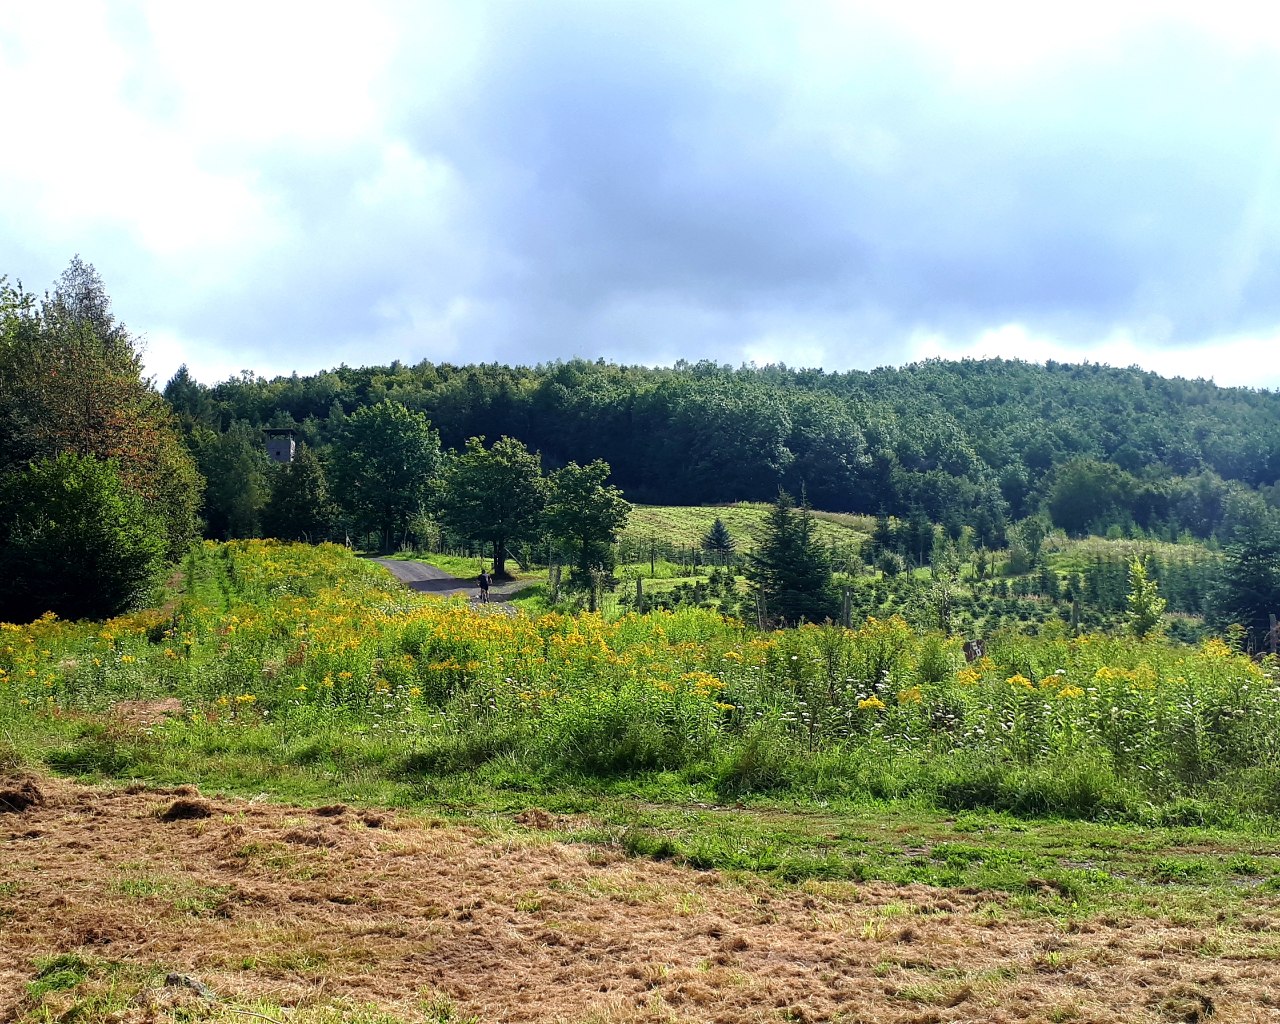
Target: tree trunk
(500, 557)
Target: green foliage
(74, 541)
(307, 673)
(789, 568)
(386, 462)
(1087, 493)
(236, 470)
(1248, 589)
(586, 514)
(299, 507)
(71, 382)
(718, 541)
(495, 495)
(976, 442)
(891, 564)
(1146, 606)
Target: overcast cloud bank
(278, 188)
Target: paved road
(427, 579)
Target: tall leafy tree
(72, 383)
(789, 567)
(1146, 606)
(299, 507)
(1087, 493)
(386, 463)
(586, 514)
(494, 495)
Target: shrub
(74, 541)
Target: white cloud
(996, 40)
(277, 187)
(1237, 361)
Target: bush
(1065, 787)
(759, 764)
(74, 541)
(891, 564)
(612, 738)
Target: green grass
(1055, 867)
(91, 990)
(1041, 866)
(685, 526)
(1067, 555)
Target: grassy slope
(1068, 555)
(685, 526)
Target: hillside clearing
(686, 525)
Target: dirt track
(308, 907)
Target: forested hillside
(978, 443)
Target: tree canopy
(98, 485)
(386, 463)
(494, 495)
(976, 442)
(586, 513)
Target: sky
(279, 187)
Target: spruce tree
(1247, 591)
(718, 542)
(789, 568)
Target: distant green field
(685, 526)
(1069, 555)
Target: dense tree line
(979, 443)
(995, 452)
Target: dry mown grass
(338, 907)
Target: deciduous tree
(71, 379)
(1146, 606)
(74, 540)
(386, 463)
(494, 495)
(586, 514)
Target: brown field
(300, 914)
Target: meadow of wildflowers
(315, 656)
